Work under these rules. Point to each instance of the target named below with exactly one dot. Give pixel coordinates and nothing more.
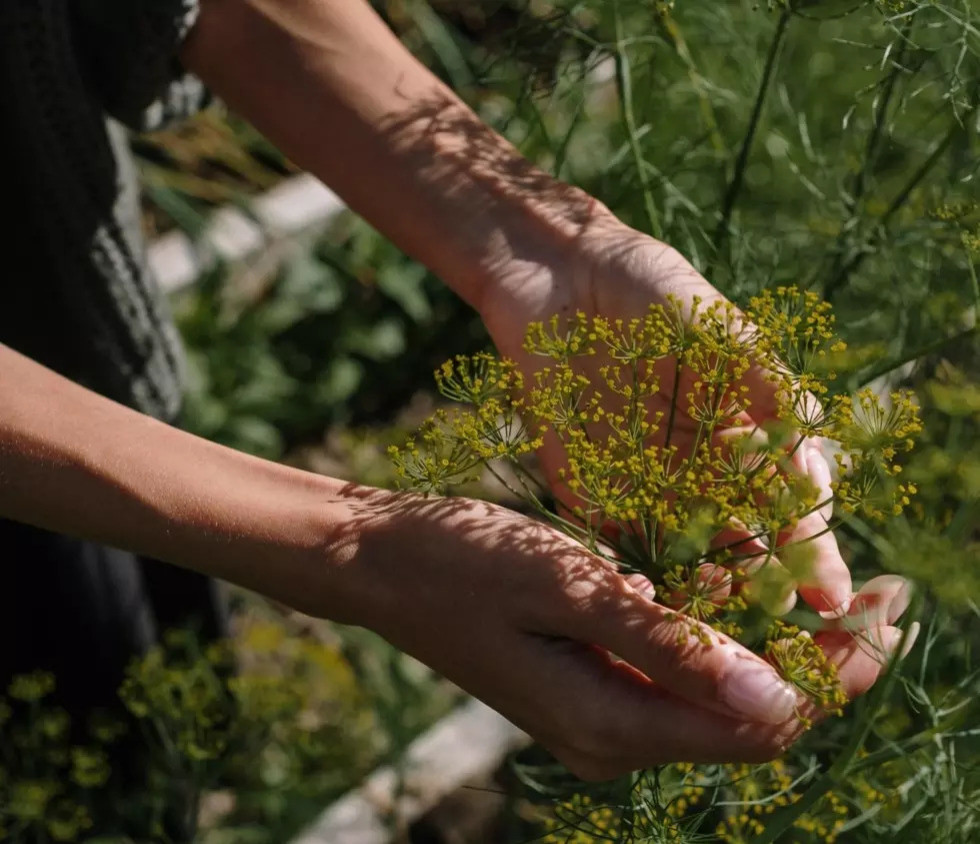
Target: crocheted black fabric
(75, 291)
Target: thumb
(687, 658)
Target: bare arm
(505, 607)
(78, 463)
(330, 84)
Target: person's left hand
(607, 269)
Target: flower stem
(624, 87)
(838, 771)
(723, 228)
(847, 269)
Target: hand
(526, 619)
(603, 268)
(475, 592)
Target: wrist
(332, 86)
(506, 219)
(291, 535)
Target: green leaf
(381, 341)
(342, 381)
(403, 284)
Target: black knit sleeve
(129, 49)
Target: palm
(619, 274)
(619, 279)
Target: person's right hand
(527, 620)
(507, 608)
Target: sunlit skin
(650, 472)
(509, 609)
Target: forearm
(329, 83)
(74, 462)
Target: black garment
(76, 295)
(82, 611)
(72, 74)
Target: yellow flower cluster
(291, 707)
(583, 820)
(762, 789)
(46, 779)
(803, 664)
(685, 797)
(662, 454)
(874, 432)
(452, 446)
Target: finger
(642, 584)
(880, 602)
(711, 583)
(813, 557)
(716, 581)
(769, 584)
(860, 659)
(682, 656)
(606, 719)
(817, 467)
(654, 727)
(761, 577)
(763, 393)
(825, 580)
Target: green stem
(502, 481)
(860, 185)
(975, 282)
(723, 228)
(935, 346)
(848, 269)
(838, 771)
(673, 405)
(624, 87)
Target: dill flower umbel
(666, 475)
(663, 472)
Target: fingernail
(819, 473)
(899, 604)
(642, 584)
(891, 637)
(913, 634)
(880, 614)
(837, 612)
(872, 609)
(756, 691)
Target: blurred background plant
(830, 144)
(243, 739)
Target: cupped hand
(556, 640)
(608, 269)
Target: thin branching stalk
(843, 275)
(624, 87)
(859, 187)
(723, 228)
(883, 368)
(672, 32)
